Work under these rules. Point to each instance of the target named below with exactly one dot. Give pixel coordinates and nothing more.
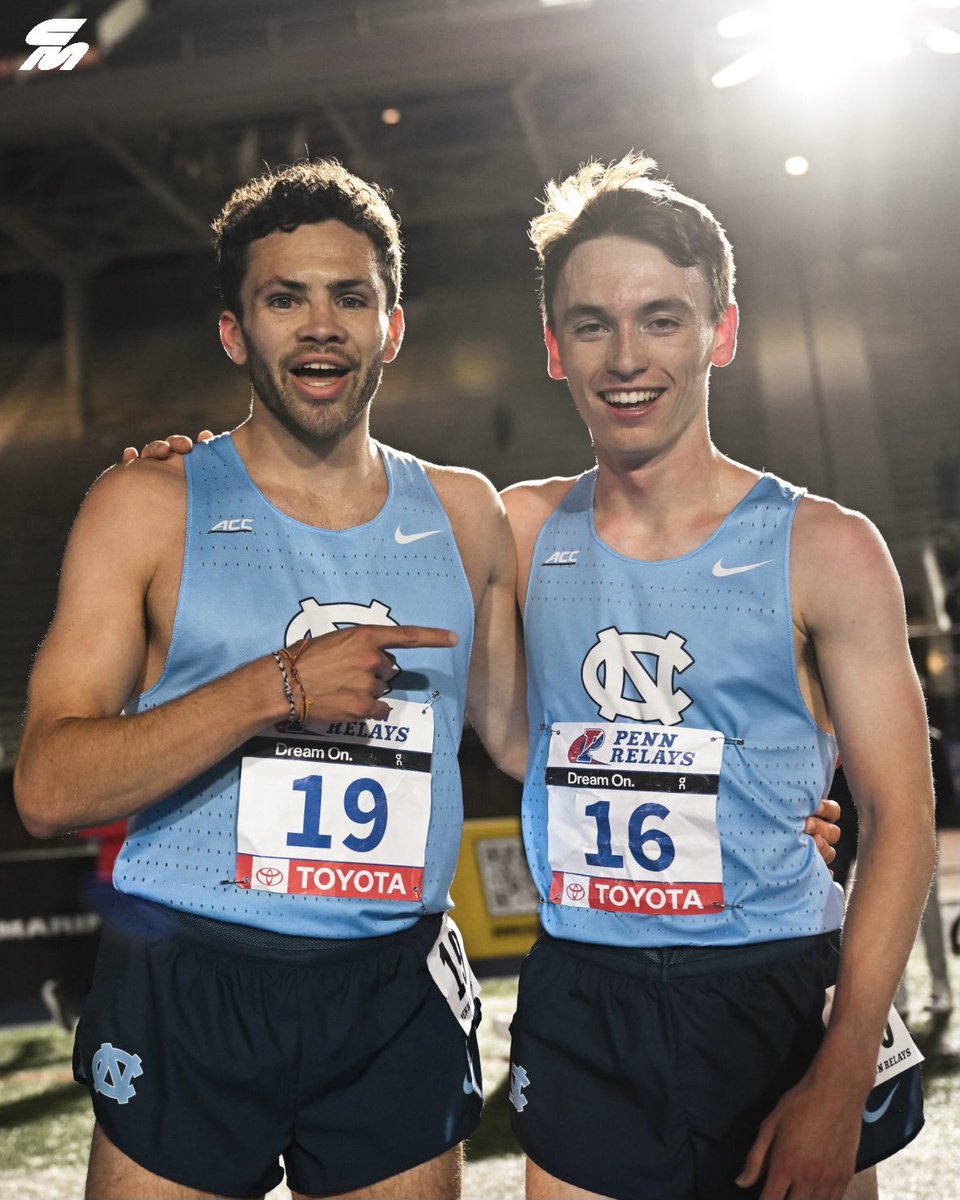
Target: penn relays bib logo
(617, 662)
(581, 747)
(316, 619)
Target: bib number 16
(640, 841)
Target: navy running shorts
(645, 1074)
(212, 1051)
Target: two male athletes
(635, 333)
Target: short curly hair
(621, 199)
(305, 193)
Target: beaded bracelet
(287, 690)
(291, 661)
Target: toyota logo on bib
(269, 876)
(614, 661)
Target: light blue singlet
(622, 656)
(253, 580)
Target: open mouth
(637, 399)
(319, 374)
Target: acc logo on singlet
(614, 659)
(317, 619)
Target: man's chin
(319, 427)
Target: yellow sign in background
(496, 901)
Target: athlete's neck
(667, 506)
(334, 483)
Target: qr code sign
(508, 890)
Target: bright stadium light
(811, 43)
(943, 41)
(741, 69)
(742, 24)
(796, 164)
(816, 40)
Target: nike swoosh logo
(720, 570)
(874, 1114)
(404, 539)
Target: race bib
(447, 963)
(632, 824)
(898, 1051)
(339, 809)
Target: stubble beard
(325, 421)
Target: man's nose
(321, 322)
(629, 355)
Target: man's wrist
(261, 699)
(846, 1063)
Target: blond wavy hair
(623, 199)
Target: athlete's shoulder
(530, 503)
(466, 495)
(838, 558)
(145, 489)
(828, 531)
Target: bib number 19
(374, 814)
(459, 968)
(447, 963)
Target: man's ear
(395, 328)
(231, 337)
(725, 338)
(554, 366)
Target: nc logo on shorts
(113, 1073)
(518, 1081)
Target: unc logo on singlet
(614, 661)
(316, 619)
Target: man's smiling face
(633, 337)
(314, 331)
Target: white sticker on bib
(898, 1051)
(447, 963)
(632, 825)
(338, 809)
